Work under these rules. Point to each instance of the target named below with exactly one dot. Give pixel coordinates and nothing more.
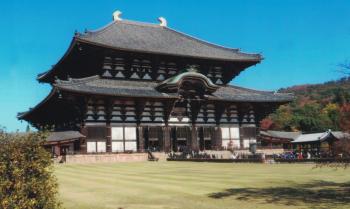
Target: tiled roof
(153, 38)
(128, 88)
(64, 135)
(281, 134)
(97, 85)
(239, 94)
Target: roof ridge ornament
(163, 22)
(116, 15)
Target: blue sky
(301, 41)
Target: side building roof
(290, 135)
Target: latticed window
(124, 139)
(96, 139)
(182, 133)
(154, 133)
(230, 134)
(207, 132)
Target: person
(308, 155)
(234, 155)
(300, 156)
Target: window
(101, 146)
(91, 147)
(117, 133)
(130, 133)
(228, 134)
(117, 146)
(246, 143)
(96, 139)
(124, 139)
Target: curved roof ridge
(23, 114)
(248, 89)
(76, 80)
(70, 47)
(130, 22)
(146, 24)
(210, 43)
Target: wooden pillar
(141, 139)
(216, 138)
(194, 139)
(83, 148)
(166, 139)
(108, 138)
(201, 138)
(242, 135)
(57, 149)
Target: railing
(206, 157)
(314, 160)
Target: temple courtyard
(202, 185)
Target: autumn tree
(345, 117)
(26, 173)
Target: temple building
(132, 86)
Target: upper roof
(153, 38)
(102, 86)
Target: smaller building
(277, 139)
(317, 144)
(64, 142)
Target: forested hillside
(316, 108)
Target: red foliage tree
(266, 124)
(345, 117)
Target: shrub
(26, 173)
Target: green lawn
(202, 185)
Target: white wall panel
(101, 146)
(225, 142)
(236, 143)
(117, 133)
(246, 143)
(91, 147)
(225, 133)
(117, 146)
(130, 133)
(130, 145)
(234, 132)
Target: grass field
(202, 185)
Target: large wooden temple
(131, 87)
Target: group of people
(293, 155)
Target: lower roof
(57, 136)
(130, 88)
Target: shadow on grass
(315, 193)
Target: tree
(282, 118)
(344, 68)
(26, 173)
(344, 117)
(332, 111)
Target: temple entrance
(153, 138)
(180, 137)
(205, 135)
